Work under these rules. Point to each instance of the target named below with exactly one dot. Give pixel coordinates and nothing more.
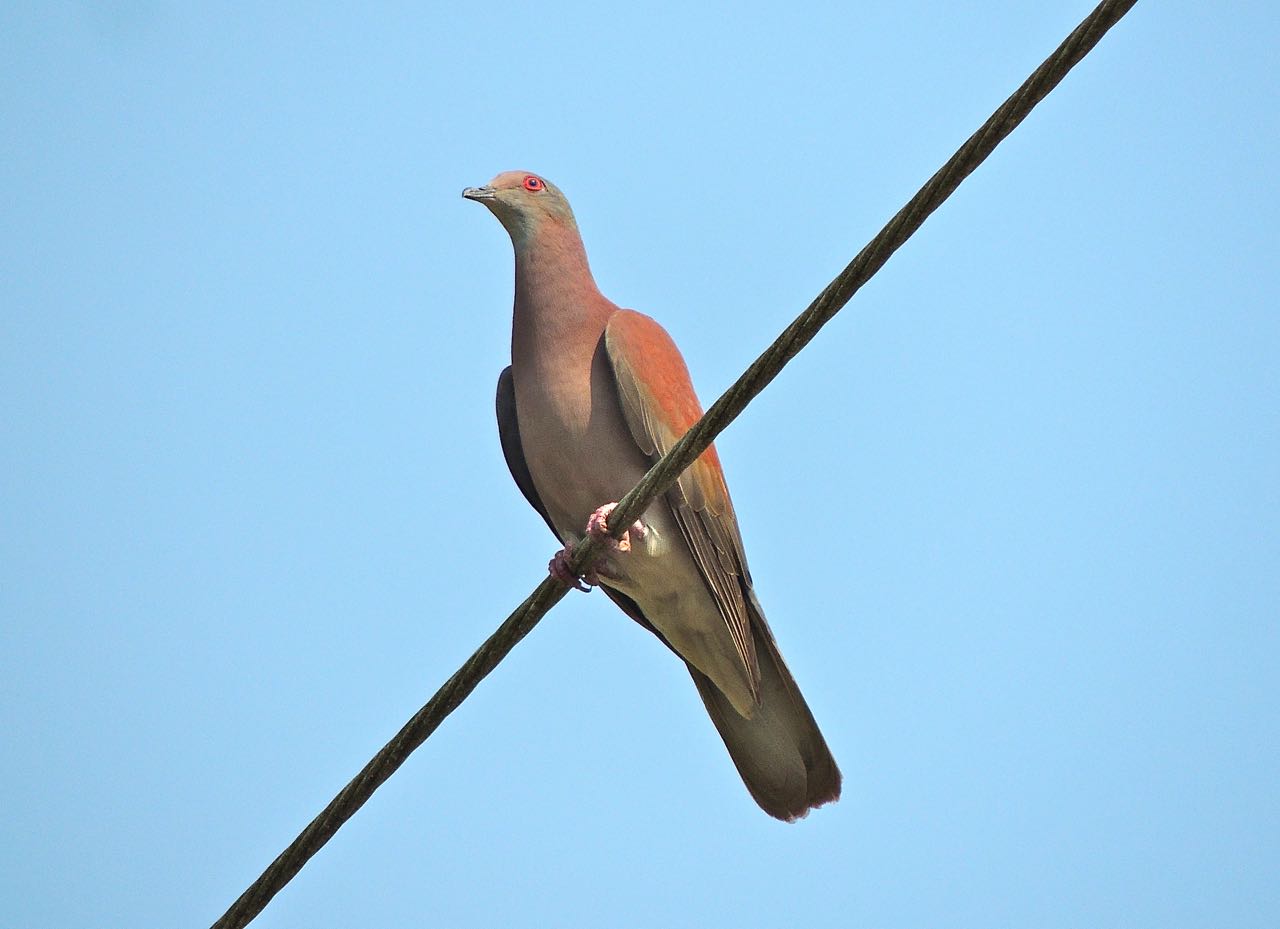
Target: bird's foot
(558, 567)
(598, 529)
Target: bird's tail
(779, 751)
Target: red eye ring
(533, 183)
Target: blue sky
(1013, 516)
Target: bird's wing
(659, 405)
(512, 450)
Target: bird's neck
(557, 303)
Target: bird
(594, 395)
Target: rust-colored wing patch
(660, 405)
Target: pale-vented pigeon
(593, 396)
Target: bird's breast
(576, 443)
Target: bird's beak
(480, 193)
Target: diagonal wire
(663, 474)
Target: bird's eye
(533, 183)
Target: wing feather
(512, 449)
(659, 405)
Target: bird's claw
(558, 567)
(598, 529)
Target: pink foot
(558, 567)
(598, 528)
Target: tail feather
(779, 751)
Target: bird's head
(523, 203)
